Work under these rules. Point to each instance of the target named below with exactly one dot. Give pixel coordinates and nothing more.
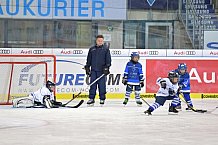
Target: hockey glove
(163, 84)
(142, 83)
(87, 79)
(56, 103)
(47, 102)
(171, 92)
(180, 87)
(124, 81)
(88, 71)
(106, 71)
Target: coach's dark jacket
(98, 58)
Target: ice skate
(91, 102)
(125, 101)
(179, 107)
(172, 110)
(102, 102)
(188, 109)
(147, 112)
(139, 103)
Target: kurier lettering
(55, 8)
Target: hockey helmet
(134, 54)
(173, 76)
(182, 66)
(49, 85)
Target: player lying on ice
(168, 90)
(44, 97)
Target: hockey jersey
(184, 81)
(39, 94)
(170, 90)
(133, 73)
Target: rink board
(71, 78)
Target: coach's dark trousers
(100, 83)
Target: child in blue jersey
(133, 78)
(184, 84)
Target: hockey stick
(75, 96)
(192, 108)
(140, 96)
(145, 101)
(76, 106)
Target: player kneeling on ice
(168, 91)
(44, 97)
(133, 78)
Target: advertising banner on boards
(203, 73)
(210, 39)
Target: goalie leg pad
(22, 102)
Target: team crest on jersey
(151, 2)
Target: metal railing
(196, 23)
(189, 17)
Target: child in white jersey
(43, 97)
(168, 91)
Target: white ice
(112, 124)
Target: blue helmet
(182, 66)
(133, 54)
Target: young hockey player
(133, 78)
(99, 59)
(168, 91)
(43, 97)
(184, 84)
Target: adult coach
(99, 59)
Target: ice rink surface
(112, 124)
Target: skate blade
(172, 113)
(90, 105)
(139, 105)
(147, 113)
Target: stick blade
(200, 110)
(76, 106)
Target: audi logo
(4, 51)
(153, 52)
(38, 51)
(190, 52)
(77, 52)
(116, 52)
